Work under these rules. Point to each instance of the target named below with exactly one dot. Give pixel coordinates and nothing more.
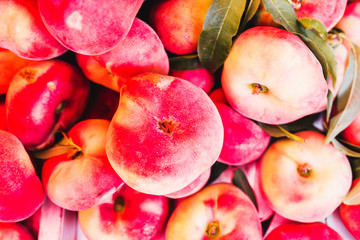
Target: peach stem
(304, 170)
(212, 230)
(119, 204)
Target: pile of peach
(108, 111)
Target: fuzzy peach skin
(20, 188)
(350, 22)
(23, 32)
(219, 211)
(308, 231)
(14, 231)
(129, 215)
(141, 51)
(179, 23)
(164, 134)
(304, 181)
(193, 187)
(101, 24)
(350, 216)
(244, 140)
(77, 180)
(201, 77)
(327, 12)
(43, 98)
(10, 63)
(271, 76)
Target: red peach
(129, 215)
(14, 231)
(164, 134)
(128, 58)
(218, 95)
(95, 72)
(101, 24)
(43, 98)
(77, 179)
(179, 23)
(219, 211)
(21, 191)
(244, 140)
(201, 77)
(308, 231)
(328, 13)
(23, 32)
(350, 216)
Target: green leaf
(278, 131)
(315, 25)
(348, 98)
(355, 167)
(241, 182)
(316, 31)
(221, 24)
(349, 145)
(283, 13)
(251, 8)
(343, 149)
(353, 196)
(186, 62)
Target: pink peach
(164, 134)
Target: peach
(328, 13)
(101, 25)
(43, 98)
(259, 89)
(193, 187)
(179, 23)
(244, 140)
(219, 211)
(350, 22)
(218, 95)
(350, 216)
(309, 231)
(14, 231)
(201, 77)
(140, 51)
(23, 32)
(129, 214)
(95, 72)
(20, 189)
(77, 179)
(304, 181)
(164, 134)
(10, 63)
